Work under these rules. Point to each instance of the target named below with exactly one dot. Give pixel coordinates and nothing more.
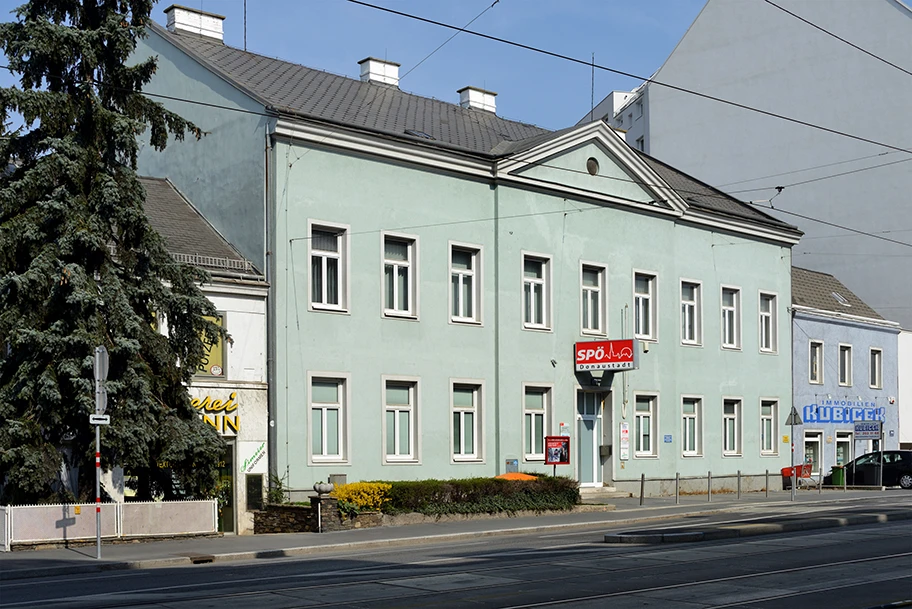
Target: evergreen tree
(80, 265)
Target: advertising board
(606, 355)
(557, 450)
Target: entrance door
(812, 442)
(588, 434)
(843, 447)
(226, 491)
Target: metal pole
(739, 484)
(767, 483)
(319, 515)
(98, 492)
(881, 447)
(642, 487)
(709, 486)
(677, 488)
(822, 453)
(794, 482)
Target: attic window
(420, 134)
(841, 300)
(592, 166)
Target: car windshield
(868, 458)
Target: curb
(751, 530)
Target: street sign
(100, 419)
(101, 374)
(794, 418)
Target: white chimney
(477, 99)
(195, 21)
(379, 71)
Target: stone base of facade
(303, 518)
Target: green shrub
(481, 496)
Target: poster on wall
(252, 457)
(625, 441)
(557, 450)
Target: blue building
(845, 371)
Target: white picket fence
(31, 524)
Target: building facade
(846, 372)
(758, 55)
(432, 268)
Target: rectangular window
(327, 417)
(691, 313)
(254, 492)
(213, 363)
(400, 425)
(691, 426)
(876, 376)
(593, 299)
(465, 293)
(844, 445)
(399, 271)
(845, 365)
(466, 421)
(641, 144)
(731, 427)
(645, 426)
(769, 414)
(769, 342)
(815, 362)
(536, 292)
(536, 414)
(328, 267)
(731, 318)
(644, 292)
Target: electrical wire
(839, 38)
(825, 165)
(635, 76)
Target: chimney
(195, 21)
(379, 71)
(477, 99)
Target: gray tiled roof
(189, 235)
(700, 195)
(295, 89)
(815, 290)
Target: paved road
(852, 567)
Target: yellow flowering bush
(364, 495)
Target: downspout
(268, 237)
(498, 457)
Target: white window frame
(844, 368)
(344, 379)
(737, 417)
(697, 305)
(653, 415)
(875, 365)
(697, 417)
(817, 346)
(844, 437)
(477, 409)
(544, 284)
(528, 431)
(477, 289)
(653, 302)
(602, 291)
(771, 318)
(414, 407)
(344, 257)
(411, 311)
(772, 419)
(736, 317)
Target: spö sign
(607, 355)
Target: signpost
(793, 419)
(98, 419)
(872, 430)
(557, 451)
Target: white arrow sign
(100, 419)
(101, 374)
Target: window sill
(468, 460)
(732, 455)
(462, 321)
(731, 348)
(692, 455)
(646, 339)
(318, 309)
(598, 333)
(402, 316)
(319, 462)
(644, 456)
(685, 344)
(534, 459)
(401, 462)
(536, 328)
(769, 352)
(768, 455)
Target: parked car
(897, 469)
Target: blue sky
(333, 35)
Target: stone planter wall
(303, 519)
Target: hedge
(481, 495)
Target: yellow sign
(785, 439)
(215, 413)
(213, 362)
(77, 509)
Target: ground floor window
(644, 432)
(400, 424)
(844, 447)
(812, 447)
(536, 408)
(466, 421)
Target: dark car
(897, 469)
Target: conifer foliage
(80, 265)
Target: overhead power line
(839, 38)
(635, 76)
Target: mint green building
(432, 267)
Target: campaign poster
(557, 450)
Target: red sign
(557, 450)
(607, 355)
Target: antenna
(592, 89)
(245, 25)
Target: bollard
(794, 483)
(767, 483)
(677, 487)
(642, 487)
(844, 478)
(739, 484)
(709, 486)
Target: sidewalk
(623, 512)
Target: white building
(758, 55)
